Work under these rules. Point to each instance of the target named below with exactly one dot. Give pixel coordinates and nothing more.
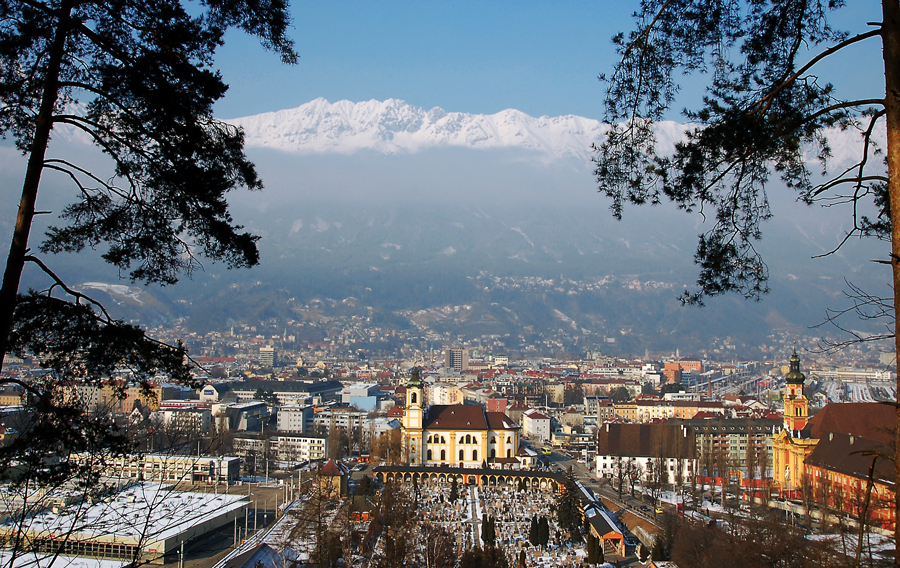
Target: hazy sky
(542, 58)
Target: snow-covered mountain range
(393, 127)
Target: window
(429, 455)
(461, 455)
(468, 439)
(493, 439)
(509, 453)
(474, 455)
(412, 398)
(443, 455)
(493, 453)
(508, 440)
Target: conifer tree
(568, 508)
(136, 78)
(594, 550)
(768, 104)
(454, 491)
(543, 531)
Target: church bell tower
(796, 405)
(413, 418)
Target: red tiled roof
(537, 416)
(334, 468)
(644, 440)
(852, 455)
(466, 417)
(864, 419)
(455, 417)
(500, 421)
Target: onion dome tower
(796, 405)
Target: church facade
(458, 435)
(791, 446)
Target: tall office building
(457, 359)
(267, 356)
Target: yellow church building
(793, 444)
(457, 435)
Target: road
(636, 505)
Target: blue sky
(542, 58)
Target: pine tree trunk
(891, 43)
(15, 262)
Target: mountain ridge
(396, 127)
(393, 126)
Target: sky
(542, 58)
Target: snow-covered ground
(875, 544)
(859, 392)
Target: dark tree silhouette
(594, 550)
(135, 77)
(454, 490)
(766, 105)
(543, 531)
(568, 508)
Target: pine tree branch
(766, 100)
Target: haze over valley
(481, 228)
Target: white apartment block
(348, 420)
(298, 448)
(186, 420)
(295, 418)
(443, 393)
(536, 425)
(168, 468)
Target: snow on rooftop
(31, 560)
(152, 511)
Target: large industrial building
(141, 524)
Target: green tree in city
(454, 490)
(594, 550)
(568, 507)
(768, 103)
(543, 531)
(619, 395)
(488, 529)
(487, 557)
(365, 486)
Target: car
(659, 511)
